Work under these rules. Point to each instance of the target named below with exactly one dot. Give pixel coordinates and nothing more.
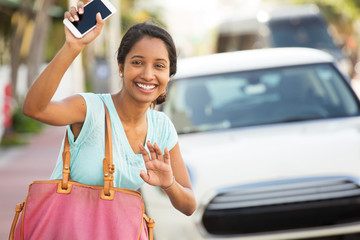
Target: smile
(146, 86)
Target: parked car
(271, 140)
(282, 26)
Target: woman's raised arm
(37, 103)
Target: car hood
(254, 154)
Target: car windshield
(239, 99)
(301, 32)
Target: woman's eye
(160, 65)
(136, 62)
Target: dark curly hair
(138, 32)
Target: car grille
(283, 205)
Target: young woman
(145, 143)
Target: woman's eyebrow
(136, 56)
(161, 59)
(158, 59)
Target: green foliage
(132, 13)
(55, 39)
(13, 139)
(5, 34)
(333, 9)
(56, 36)
(24, 124)
(21, 130)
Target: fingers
(167, 156)
(99, 21)
(158, 152)
(72, 14)
(99, 24)
(80, 7)
(144, 153)
(68, 16)
(145, 176)
(151, 150)
(155, 153)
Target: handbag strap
(108, 166)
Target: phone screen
(88, 19)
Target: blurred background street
(31, 32)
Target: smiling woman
(146, 67)
(144, 141)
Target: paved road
(20, 166)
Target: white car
(271, 138)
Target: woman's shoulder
(164, 129)
(91, 96)
(158, 115)
(95, 99)
(160, 120)
(94, 104)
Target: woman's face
(146, 70)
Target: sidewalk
(20, 166)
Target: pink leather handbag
(65, 209)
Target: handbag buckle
(107, 197)
(63, 190)
(111, 168)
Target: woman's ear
(120, 70)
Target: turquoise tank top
(88, 150)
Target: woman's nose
(148, 73)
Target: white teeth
(147, 87)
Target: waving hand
(159, 172)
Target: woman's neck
(129, 112)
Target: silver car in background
(271, 139)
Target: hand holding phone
(81, 24)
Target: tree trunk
(24, 14)
(38, 41)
